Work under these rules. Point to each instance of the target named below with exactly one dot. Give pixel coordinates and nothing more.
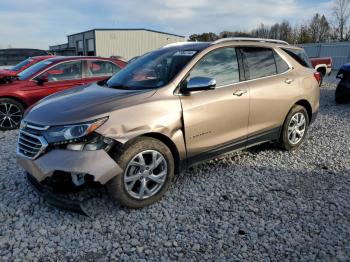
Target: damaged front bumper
(56, 201)
(95, 163)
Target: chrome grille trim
(25, 124)
(29, 145)
(40, 128)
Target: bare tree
(263, 31)
(341, 11)
(324, 29)
(319, 28)
(275, 31)
(285, 31)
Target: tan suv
(168, 110)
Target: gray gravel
(260, 204)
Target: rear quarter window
(299, 55)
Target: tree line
(317, 29)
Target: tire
(321, 78)
(131, 154)
(340, 98)
(11, 113)
(286, 140)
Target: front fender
(158, 115)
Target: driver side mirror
(200, 83)
(41, 80)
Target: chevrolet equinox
(168, 110)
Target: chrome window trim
(250, 80)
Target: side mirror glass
(200, 83)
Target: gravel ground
(260, 204)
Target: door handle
(289, 81)
(239, 92)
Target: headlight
(71, 132)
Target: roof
(64, 58)
(126, 29)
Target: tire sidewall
(284, 137)
(116, 185)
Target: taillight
(317, 75)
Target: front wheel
(148, 167)
(294, 128)
(11, 113)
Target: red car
(13, 71)
(47, 77)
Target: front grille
(30, 145)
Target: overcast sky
(40, 23)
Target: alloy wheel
(10, 116)
(145, 174)
(296, 128)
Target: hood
(81, 104)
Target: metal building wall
(72, 40)
(131, 43)
(340, 52)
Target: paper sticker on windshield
(185, 53)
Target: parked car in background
(47, 77)
(342, 93)
(14, 70)
(170, 109)
(323, 65)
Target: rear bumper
(95, 163)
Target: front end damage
(84, 160)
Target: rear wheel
(148, 167)
(11, 113)
(294, 128)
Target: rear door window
(259, 61)
(98, 68)
(299, 55)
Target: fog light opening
(78, 179)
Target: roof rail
(222, 40)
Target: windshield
(153, 70)
(24, 75)
(21, 64)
